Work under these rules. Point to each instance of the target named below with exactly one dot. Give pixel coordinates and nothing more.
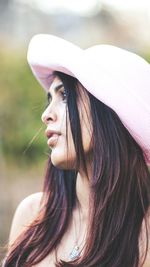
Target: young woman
(94, 208)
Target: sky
(87, 6)
(132, 4)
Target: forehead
(55, 83)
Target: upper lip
(50, 132)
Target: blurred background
(23, 149)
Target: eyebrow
(56, 89)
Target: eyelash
(63, 95)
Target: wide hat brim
(117, 77)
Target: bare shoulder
(143, 235)
(25, 213)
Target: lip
(52, 136)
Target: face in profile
(58, 131)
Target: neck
(83, 193)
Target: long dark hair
(119, 193)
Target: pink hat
(117, 77)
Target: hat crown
(117, 77)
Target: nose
(48, 116)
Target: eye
(63, 95)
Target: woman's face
(55, 115)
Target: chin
(61, 162)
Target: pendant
(75, 253)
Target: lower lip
(53, 140)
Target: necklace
(76, 251)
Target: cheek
(63, 156)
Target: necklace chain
(76, 251)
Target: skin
(54, 117)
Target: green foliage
(21, 104)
